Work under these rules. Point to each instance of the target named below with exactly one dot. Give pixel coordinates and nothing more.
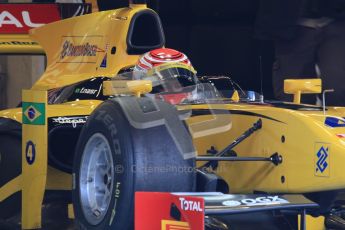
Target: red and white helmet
(160, 56)
(172, 75)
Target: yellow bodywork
(132, 87)
(296, 135)
(34, 149)
(100, 32)
(301, 86)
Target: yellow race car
(88, 126)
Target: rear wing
(17, 19)
(154, 210)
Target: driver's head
(172, 75)
(160, 56)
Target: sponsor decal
(174, 225)
(74, 121)
(69, 49)
(173, 212)
(322, 156)
(232, 203)
(104, 61)
(340, 135)
(33, 113)
(20, 18)
(189, 205)
(30, 152)
(264, 200)
(80, 49)
(20, 43)
(322, 159)
(86, 91)
(335, 122)
(7, 18)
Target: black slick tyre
(114, 159)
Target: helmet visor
(171, 78)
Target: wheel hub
(96, 178)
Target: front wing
(155, 210)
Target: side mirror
(117, 87)
(301, 86)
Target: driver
(173, 77)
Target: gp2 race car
(86, 128)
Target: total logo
(264, 200)
(6, 18)
(189, 205)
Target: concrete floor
(56, 219)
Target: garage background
(18, 72)
(218, 36)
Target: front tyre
(114, 160)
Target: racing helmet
(173, 77)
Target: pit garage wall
(22, 72)
(217, 36)
(17, 72)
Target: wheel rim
(96, 178)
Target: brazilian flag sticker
(34, 113)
